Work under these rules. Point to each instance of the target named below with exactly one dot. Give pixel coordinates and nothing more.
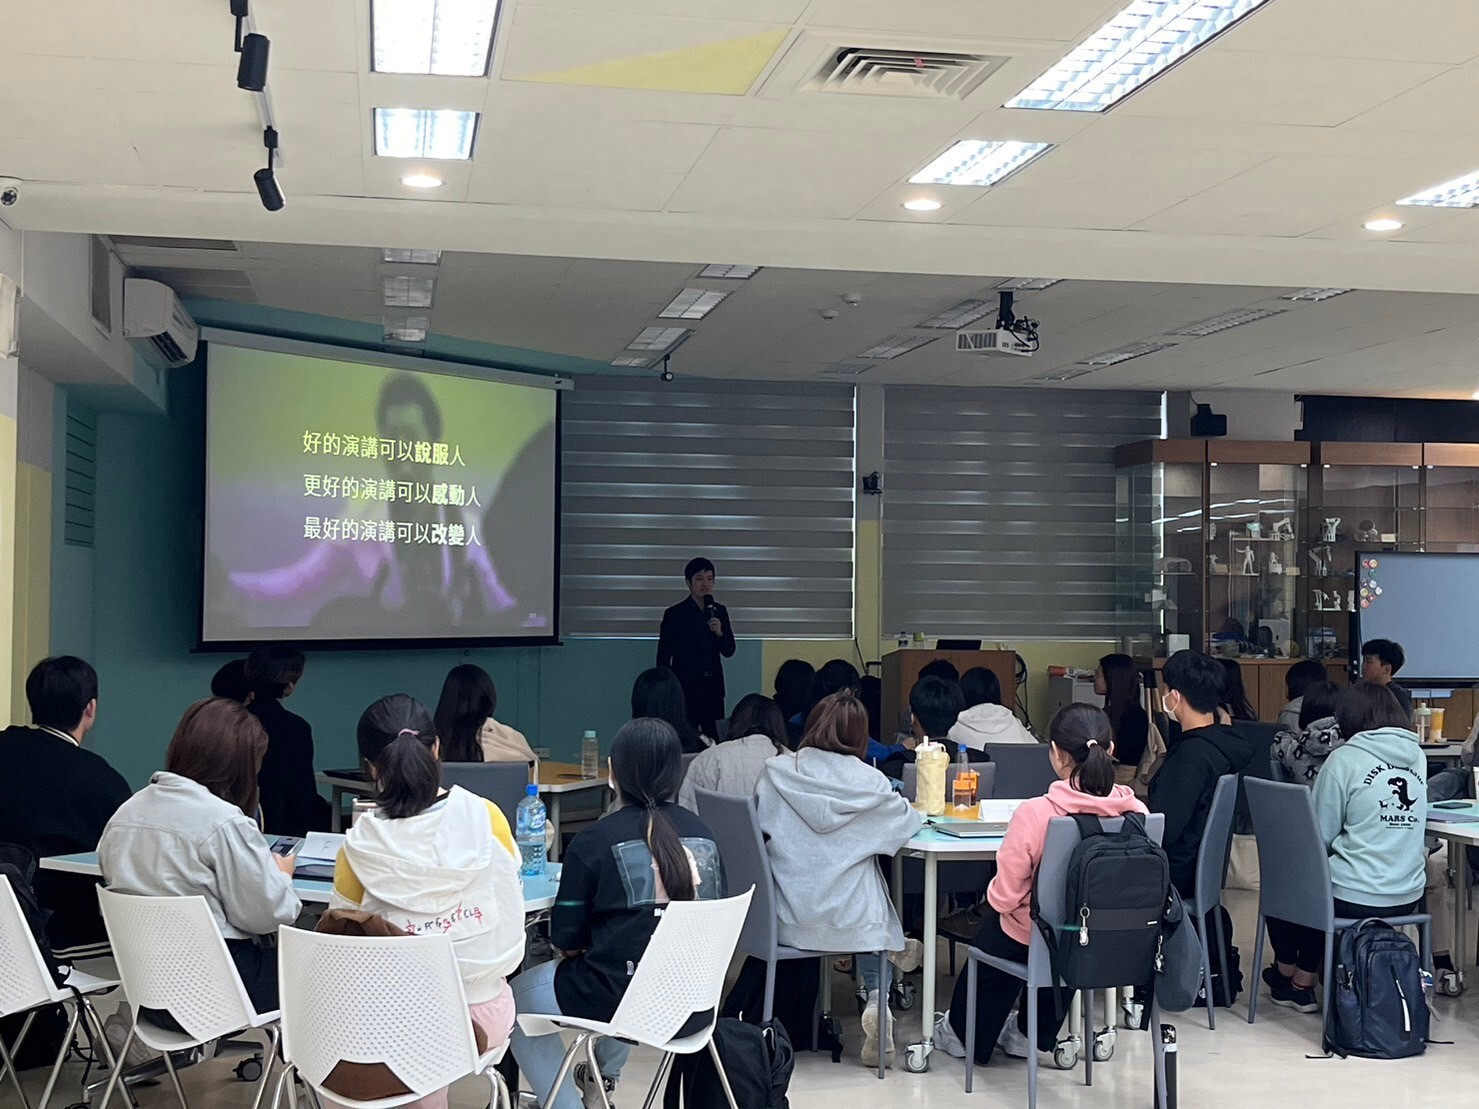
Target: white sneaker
(910, 958)
(945, 1038)
(871, 1037)
(592, 1086)
(1012, 1042)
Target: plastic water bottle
(529, 833)
(590, 756)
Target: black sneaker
(1284, 992)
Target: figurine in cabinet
(1214, 565)
(1249, 562)
(1366, 532)
(1284, 529)
(1255, 529)
(1274, 565)
(1329, 534)
(1321, 566)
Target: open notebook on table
(316, 853)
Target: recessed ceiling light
(896, 345)
(410, 257)
(966, 312)
(1314, 294)
(421, 181)
(922, 204)
(1124, 354)
(1461, 192)
(442, 37)
(1383, 225)
(411, 329)
(692, 304)
(736, 273)
(1213, 324)
(978, 163)
(659, 338)
(402, 291)
(1476, 394)
(440, 133)
(631, 361)
(1029, 284)
(1141, 41)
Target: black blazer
(687, 648)
(289, 791)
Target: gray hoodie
(827, 818)
(983, 724)
(174, 838)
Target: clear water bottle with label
(529, 833)
(590, 756)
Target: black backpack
(1379, 1009)
(1118, 887)
(757, 1061)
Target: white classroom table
(539, 893)
(556, 779)
(933, 848)
(1459, 836)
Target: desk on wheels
(1459, 836)
(933, 848)
(557, 780)
(539, 893)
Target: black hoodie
(1183, 787)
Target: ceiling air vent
(155, 242)
(880, 71)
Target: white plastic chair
(396, 1000)
(681, 973)
(26, 985)
(171, 956)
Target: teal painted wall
(144, 621)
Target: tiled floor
(1237, 1065)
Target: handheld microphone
(709, 608)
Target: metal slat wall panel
(756, 476)
(79, 494)
(999, 510)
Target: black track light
(239, 11)
(267, 187)
(251, 71)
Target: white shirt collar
(59, 734)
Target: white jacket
(732, 767)
(451, 870)
(983, 724)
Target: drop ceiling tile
(757, 11)
(1440, 106)
(616, 189)
(1031, 21)
(322, 35)
(1373, 29)
(1226, 84)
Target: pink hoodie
(1010, 892)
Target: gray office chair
(1294, 878)
(1278, 772)
(1022, 769)
(1037, 972)
(687, 760)
(741, 845)
(1211, 870)
(502, 783)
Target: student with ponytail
(1082, 753)
(433, 860)
(617, 876)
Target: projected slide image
(351, 501)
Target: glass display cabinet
(1363, 497)
(1160, 543)
(1450, 517)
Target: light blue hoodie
(1371, 800)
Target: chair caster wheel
(1104, 1046)
(1133, 1015)
(904, 996)
(1065, 1055)
(1451, 983)
(916, 1058)
(249, 1070)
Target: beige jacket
(500, 743)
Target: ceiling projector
(1011, 336)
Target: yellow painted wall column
(9, 524)
(32, 453)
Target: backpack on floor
(1117, 891)
(1224, 991)
(758, 1062)
(1379, 1010)
(798, 984)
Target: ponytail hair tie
(1092, 743)
(651, 804)
(408, 731)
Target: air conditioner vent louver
(880, 71)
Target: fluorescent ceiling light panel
(402, 291)
(1461, 192)
(896, 345)
(1123, 354)
(659, 338)
(442, 133)
(1029, 284)
(1213, 324)
(966, 312)
(737, 273)
(449, 38)
(692, 304)
(411, 329)
(1314, 294)
(1067, 373)
(1140, 42)
(979, 164)
(403, 256)
(849, 370)
(628, 360)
